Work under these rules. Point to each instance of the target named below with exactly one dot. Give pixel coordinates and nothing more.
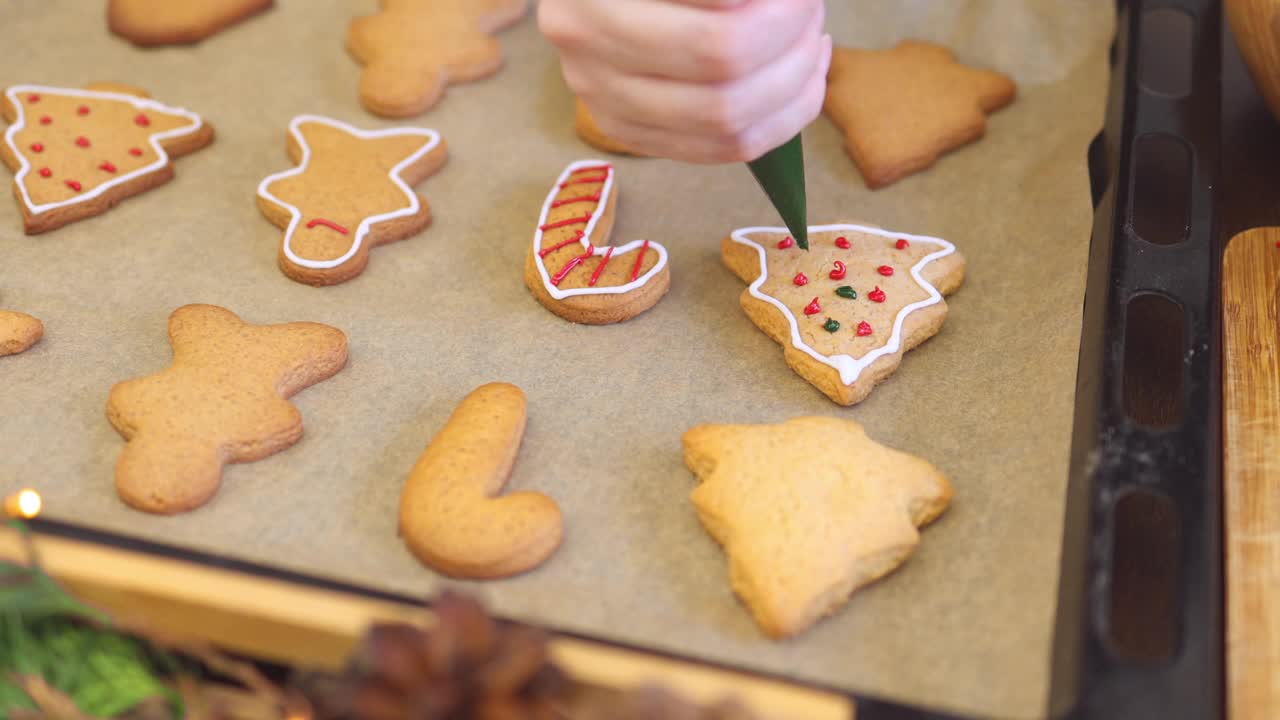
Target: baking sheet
(966, 625)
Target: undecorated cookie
(349, 193)
(177, 22)
(451, 516)
(223, 400)
(77, 153)
(808, 511)
(590, 132)
(901, 109)
(18, 332)
(573, 271)
(847, 309)
(414, 49)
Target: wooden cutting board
(1251, 442)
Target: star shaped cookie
(808, 511)
(901, 109)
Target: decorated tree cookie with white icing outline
(846, 310)
(573, 271)
(77, 153)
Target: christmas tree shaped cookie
(848, 308)
(349, 193)
(573, 271)
(808, 511)
(902, 108)
(76, 153)
(414, 49)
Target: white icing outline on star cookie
(295, 129)
(140, 103)
(850, 369)
(596, 250)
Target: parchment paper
(965, 625)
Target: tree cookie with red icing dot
(413, 49)
(77, 153)
(573, 271)
(846, 310)
(177, 22)
(349, 193)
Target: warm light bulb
(23, 504)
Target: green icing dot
(831, 326)
(845, 291)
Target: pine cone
(467, 667)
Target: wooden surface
(1256, 25)
(1251, 493)
(299, 625)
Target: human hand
(706, 81)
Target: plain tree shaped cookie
(450, 514)
(224, 399)
(808, 511)
(414, 49)
(573, 271)
(177, 22)
(18, 332)
(350, 192)
(847, 309)
(901, 109)
(77, 153)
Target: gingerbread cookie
(77, 153)
(808, 511)
(586, 127)
(177, 22)
(18, 332)
(450, 515)
(571, 270)
(848, 308)
(349, 193)
(414, 49)
(223, 400)
(902, 108)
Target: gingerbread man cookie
(808, 511)
(414, 49)
(571, 270)
(177, 22)
(450, 516)
(77, 153)
(349, 193)
(18, 332)
(847, 309)
(223, 400)
(901, 109)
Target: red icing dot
(46, 120)
(843, 243)
(902, 245)
(73, 185)
(786, 243)
(82, 141)
(37, 147)
(813, 308)
(33, 98)
(876, 295)
(840, 271)
(136, 152)
(800, 279)
(82, 110)
(885, 270)
(45, 172)
(142, 120)
(864, 329)
(108, 167)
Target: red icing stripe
(579, 199)
(564, 271)
(73, 185)
(635, 272)
(547, 251)
(108, 167)
(593, 180)
(596, 275)
(592, 168)
(567, 222)
(327, 223)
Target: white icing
(618, 251)
(143, 104)
(295, 128)
(850, 368)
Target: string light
(23, 504)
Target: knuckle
(721, 50)
(723, 114)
